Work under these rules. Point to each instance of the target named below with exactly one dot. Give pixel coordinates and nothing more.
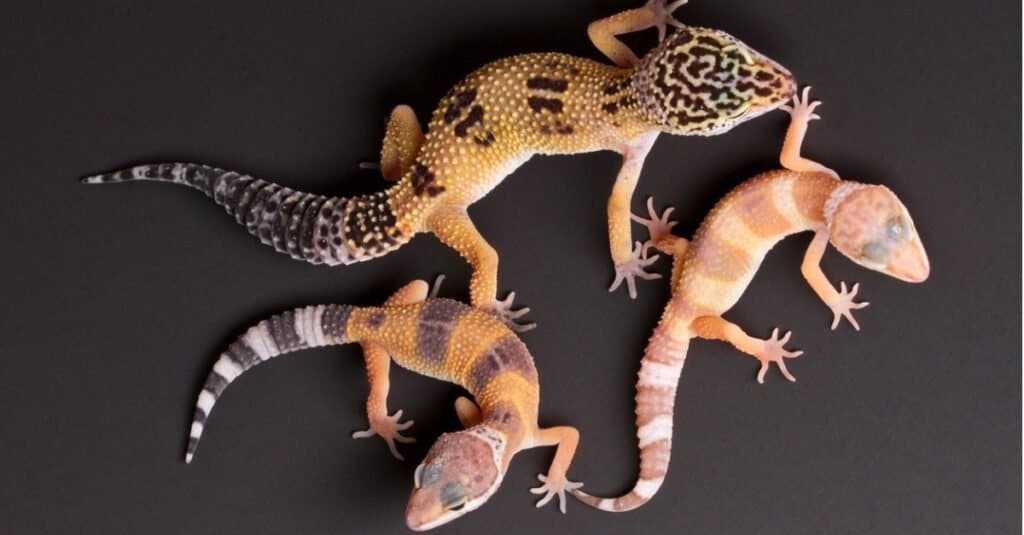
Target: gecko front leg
(630, 262)
(389, 428)
(453, 227)
(555, 482)
(801, 113)
(841, 303)
(654, 14)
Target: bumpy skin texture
(866, 223)
(698, 81)
(438, 338)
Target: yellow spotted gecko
(867, 223)
(697, 81)
(439, 338)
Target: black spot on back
(539, 104)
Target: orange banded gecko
(438, 338)
(697, 81)
(867, 223)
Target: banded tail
(311, 326)
(308, 227)
(655, 398)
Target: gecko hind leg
(402, 140)
(456, 230)
(767, 351)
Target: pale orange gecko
(867, 223)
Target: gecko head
(460, 472)
(871, 226)
(704, 82)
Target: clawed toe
(504, 311)
(389, 428)
(844, 305)
(773, 350)
(554, 487)
(634, 267)
(663, 15)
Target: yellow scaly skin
(438, 338)
(697, 81)
(866, 223)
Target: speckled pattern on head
(696, 82)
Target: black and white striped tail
(302, 225)
(311, 326)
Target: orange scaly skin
(438, 338)
(866, 223)
(697, 81)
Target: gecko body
(438, 338)
(867, 223)
(697, 81)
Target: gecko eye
(896, 229)
(875, 253)
(453, 496)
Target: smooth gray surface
(118, 299)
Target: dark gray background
(118, 299)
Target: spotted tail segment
(313, 228)
(655, 400)
(311, 326)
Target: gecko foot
(503, 310)
(554, 485)
(802, 111)
(389, 428)
(658, 227)
(629, 270)
(662, 10)
(843, 305)
(773, 350)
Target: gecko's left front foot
(509, 316)
(389, 428)
(634, 267)
(843, 305)
(554, 485)
(663, 18)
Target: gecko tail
(308, 227)
(655, 399)
(301, 328)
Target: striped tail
(311, 326)
(655, 397)
(308, 227)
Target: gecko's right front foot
(662, 10)
(634, 267)
(389, 428)
(504, 311)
